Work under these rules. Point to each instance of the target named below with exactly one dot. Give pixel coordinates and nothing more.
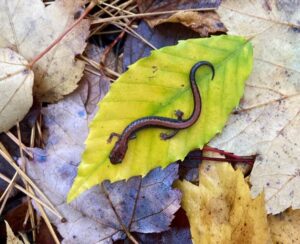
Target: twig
(46, 219)
(3, 177)
(22, 146)
(23, 175)
(8, 188)
(23, 166)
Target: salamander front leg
(167, 136)
(112, 135)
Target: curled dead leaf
(204, 23)
(16, 82)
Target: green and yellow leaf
(159, 85)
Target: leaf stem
(58, 39)
(228, 154)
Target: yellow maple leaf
(285, 227)
(221, 210)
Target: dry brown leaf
(28, 28)
(285, 227)
(268, 120)
(204, 23)
(11, 238)
(221, 210)
(16, 82)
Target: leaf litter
(42, 156)
(267, 122)
(30, 27)
(203, 22)
(106, 212)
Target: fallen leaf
(175, 236)
(92, 87)
(106, 212)
(221, 210)
(159, 85)
(159, 6)
(160, 36)
(268, 120)
(204, 23)
(11, 238)
(285, 227)
(29, 27)
(179, 232)
(16, 82)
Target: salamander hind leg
(167, 136)
(179, 114)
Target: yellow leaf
(285, 227)
(11, 238)
(159, 85)
(220, 209)
(16, 82)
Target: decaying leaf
(93, 87)
(221, 210)
(27, 27)
(16, 82)
(285, 227)
(204, 23)
(11, 238)
(159, 85)
(268, 120)
(175, 235)
(106, 212)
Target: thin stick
(15, 140)
(109, 19)
(3, 177)
(22, 174)
(221, 159)
(47, 221)
(39, 130)
(4, 202)
(57, 40)
(228, 154)
(139, 37)
(26, 218)
(23, 166)
(9, 187)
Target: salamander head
(118, 152)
